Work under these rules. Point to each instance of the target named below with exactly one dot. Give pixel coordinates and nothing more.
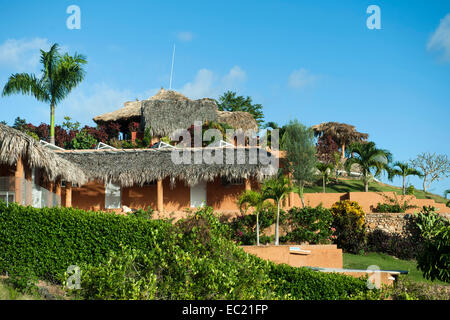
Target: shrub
(49, 240)
(393, 204)
(306, 284)
(82, 140)
(402, 246)
(243, 228)
(410, 190)
(434, 260)
(309, 224)
(349, 222)
(125, 275)
(193, 259)
(405, 289)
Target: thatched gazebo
(342, 133)
(168, 111)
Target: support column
(50, 196)
(68, 202)
(160, 195)
(28, 186)
(58, 190)
(18, 180)
(248, 184)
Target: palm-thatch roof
(130, 111)
(238, 120)
(15, 144)
(130, 167)
(169, 110)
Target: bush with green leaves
(307, 284)
(243, 228)
(349, 222)
(434, 259)
(49, 240)
(82, 140)
(125, 275)
(124, 257)
(308, 224)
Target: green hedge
(192, 259)
(307, 284)
(49, 240)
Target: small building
(31, 174)
(165, 177)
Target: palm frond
(26, 84)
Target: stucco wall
(325, 256)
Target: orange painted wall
(325, 256)
(90, 196)
(224, 198)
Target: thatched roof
(131, 110)
(238, 120)
(163, 117)
(130, 167)
(169, 110)
(15, 144)
(342, 133)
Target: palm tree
(256, 200)
(403, 170)
(342, 133)
(368, 157)
(325, 170)
(276, 189)
(60, 74)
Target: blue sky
(312, 60)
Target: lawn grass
(355, 185)
(386, 262)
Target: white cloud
(301, 78)
(209, 85)
(88, 101)
(440, 39)
(202, 86)
(22, 55)
(185, 36)
(235, 77)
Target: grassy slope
(357, 186)
(385, 262)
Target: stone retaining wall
(390, 222)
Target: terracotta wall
(324, 256)
(90, 196)
(367, 200)
(223, 198)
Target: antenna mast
(171, 70)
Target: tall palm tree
(277, 189)
(60, 74)
(342, 133)
(368, 157)
(251, 198)
(325, 170)
(403, 170)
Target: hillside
(353, 185)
